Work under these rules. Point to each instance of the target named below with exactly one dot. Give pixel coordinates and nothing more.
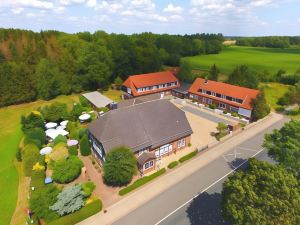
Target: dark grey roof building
(139, 126)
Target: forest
(51, 63)
(269, 41)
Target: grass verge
(141, 182)
(172, 164)
(188, 156)
(87, 211)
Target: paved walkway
(146, 193)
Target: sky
(229, 17)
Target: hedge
(172, 164)
(80, 215)
(38, 179)
(188, 156)
(141, 182)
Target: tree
(214, 73)
(85, 148)
(55, 112)
(36, 136)
(185, 72)
(65, 171)
(41, 199)
(118, 82)
(262, 194)
(33, 120)
(284, 146)
(119, 166)
(30, 156)
(69, 200)
(260, 107)
(243, 76)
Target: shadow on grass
(206, 210)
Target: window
(222, 105)
(200, 90)
(209, 101)
(203, 91)
(239, 100)
(139, 90)
(208, 92)
(218, 95)
(181, 143)
(148, 165)
(163, 150)
(161, 86)
(128, 90)
(213, 93)
(228, 98)
(191, 96)
(223, 96)
(204, 100)
(234, 109)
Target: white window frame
(191, 96)
(163, 150)
(209, 101)
(213, 94)
(181, 143)
(232, 107)
(204, 100)
(223, 96)
(128, 90)
(148, 165)
(222, 105)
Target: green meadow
(260, 59)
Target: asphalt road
(195, 200)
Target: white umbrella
(46, 150)
(60, 127)
(84, 117)
(64, 123)
(72, 142)
(50, 125)
(52, 133)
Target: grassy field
(273, 91)
(257, 58)
(10, 134)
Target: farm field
(260, 59)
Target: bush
(188, 156)
(294, 112)
(59, 152)
(69, 200)
(234, 114)
(65, 171)
(37, 178)
(74, 134)
(82, 132)
(119, 166)
(212, 106)
(84, 102)
(85, 148)
(59, 139)
(55, 112)
(280, 109)
(88, 188)
(103, 109)
(141, 182)
(19, 155)
(36, 136)
(30, 156)
(76, 112)
(40, 201)
(73, 150)
(85, 212)
(33, 120)
(172, 164)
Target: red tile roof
(150, 79)
(246, 94)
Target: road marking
(171, 213)
(247, 149)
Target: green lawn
(273, 91)
(10, 134)
(257, 58)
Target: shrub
(59, 139)
(55, 112)
(84, 102)
(59, 152)
(36, 136)
(188, 156)
(19, 155)
(38, 178)
(73, 150)
(82, 132)
(76, 112)
(294, 112)
(69, 200)
(103, 109)
(33, 120)
(74, 134)
(85, 148)
(212, 106)
(189, 145)
(141, 182)
(67, 170)
(88, 188)
(40, 201)
(119, 166)
(85, 212)
(172, 164)
(280, 109)
(234, 114)
(30, 156)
